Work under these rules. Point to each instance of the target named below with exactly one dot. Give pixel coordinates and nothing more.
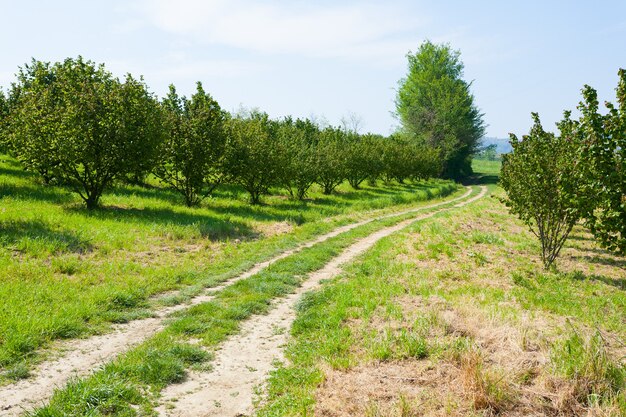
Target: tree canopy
(435, 106)
(541, 182)
(73, 122)
(192, 153)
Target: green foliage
(603, 150)
(540, 179)
(436, 106)
(298, 141)
(489, 152)
(403, 159)
(4, 115)
(363, 159)
(332, 153)
(253, 157)
(582, 173)
(192, 153)
(73, 122)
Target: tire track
(78, 358)
(244, 361)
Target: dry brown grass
(505, 368)
(274, 229)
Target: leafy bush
(540, 179)
(603, 150)
(298, 141)
(363, 159)
(73, 122)
(192, 153)
(331, 155)
(4, 120)
(253, 157)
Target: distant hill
(502, 144)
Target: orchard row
(77, 125)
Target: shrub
(603, 150)
(72, 121)
(363, 159)
(253, 156)
(298, 141)
(540, 180)
(192, 153)
(4, 121)
(331, 159)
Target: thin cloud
(346, 30)
(180, 69)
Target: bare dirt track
(243, 362)
(78, 358)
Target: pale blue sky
(332, 58)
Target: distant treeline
(77, 125)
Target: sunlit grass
(66, 272)
(208, 324)
(455, 294)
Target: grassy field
(456, 316)
(191, 336)
(68, 273)
(486, 168)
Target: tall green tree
(436, 106)
(192, 154)
(73, 121)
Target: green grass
(484, 167)
(392, 304)
(208, 324)
(597, 378)
(66, 272)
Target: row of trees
(554, 180)
(77, 125)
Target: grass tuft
(593, 376)
(486, 388)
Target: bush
(73, 122)
(540, 180)
(4, 121)
(253, 156)
(300, 170)
(363, 159)
(331, 156)
(603, 150)
(192, 153)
